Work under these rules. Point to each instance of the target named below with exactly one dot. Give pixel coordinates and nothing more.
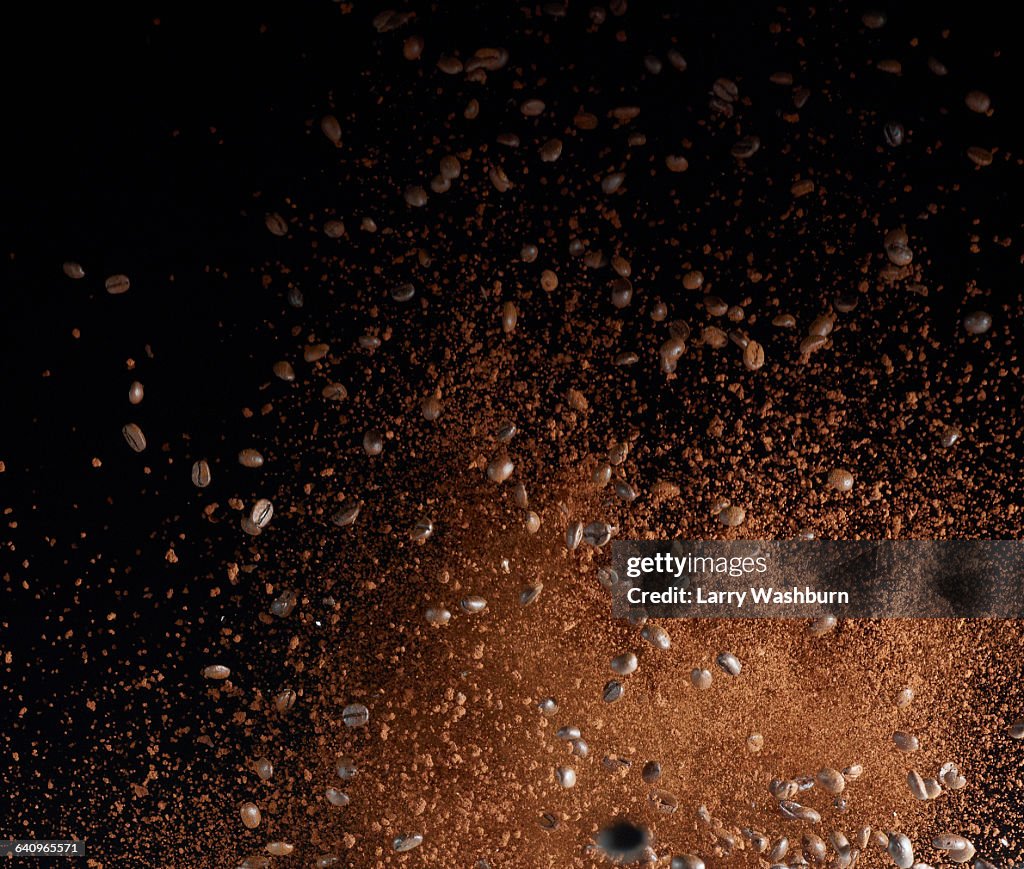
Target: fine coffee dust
(764, 286)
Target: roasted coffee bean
(732, 517)
(624, 664)
(900, 850)
(657, 636)
(251, 816)
(831, 780)
(651, 772)
(840, 480)
(216, 671)
(406, 842)
(905, 741)
(280, 849)
(977, 323)
(134, 436)
(250, 458)
(613, 691)
(117, 284)
(355, 715)
(728, 662)
(701, 679)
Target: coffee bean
(345, 516)
(979, 156)
(822, 325)
(978, 322)
(251, 816)
(916, 785)
(651, 772)
(624, 491)
(529, 594)
(500, 469)
(250, 458)
(406, 842)
(134, 436)
(893, 133)
(840, 480)
(900, 850)
(796, 812)
(330, 127)
(437, 616)
(693, 280)
(284, 604)
(509, 317)
(280, 849)
(714, 337)
(334, 392)
(415, 196)
(669, 354)
(778, 851)
(624, 664)
(728, 662)
(264, 768)
(597, 534)
(276, 224)
(201, 474)
(336, 797)
(622, 293)
(831, 780)
(117, 284)
(732, 517)
(978, 101)
(473, 604)
(216, 672)
(355, 715)
(613, 691)
(822, 625)
(551, 150)
(532, 108)
(664, 802)
(613, 182)
(905, 741)
(753, 356)
(801, 188)
(373, 442)
(262, 513)
(657, 636)
(701, 679)
(814, 848)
